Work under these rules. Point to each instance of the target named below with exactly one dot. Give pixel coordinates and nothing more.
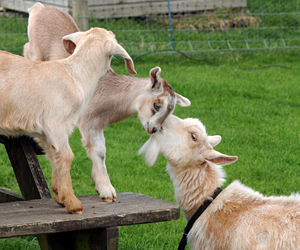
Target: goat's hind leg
(94, 142)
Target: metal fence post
(79, 12)
(170, 24)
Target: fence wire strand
(172, 26)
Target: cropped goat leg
(94, 142)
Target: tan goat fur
(116, 97)
(239, 218)
(44, 100)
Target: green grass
(255, 108)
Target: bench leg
(27, 168)
(94, 239)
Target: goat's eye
(156, 106)
(194, 137)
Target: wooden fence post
(80, 14)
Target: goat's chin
(150, 130)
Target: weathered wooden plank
(126, 8)
(147, 8)
(27, 168)
(79, 12)
(8, 196)
(45, 216)
(23, 5)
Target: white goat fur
(44, 100)
(116, 97)
(239, 218)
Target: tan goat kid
(116, 97)
(44, 100)
(238, 218)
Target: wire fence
(187, 26)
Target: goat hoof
(108, 199)
(76, 211)
(74, 206)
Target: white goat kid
(116, 97)
(238, 218)
(44, 100)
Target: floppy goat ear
(151, 151)
(114, 48)
(182, 101)
(217, 158)
(70, 41)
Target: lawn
(251, 100)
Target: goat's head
(103, 40)
(159, 102)
(184, 143)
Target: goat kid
(116, 97)
(239, 217)
(44, 100)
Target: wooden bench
(54, 227)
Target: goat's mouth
(149, 130)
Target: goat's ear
(155, 80)
(69, 46)
(214, 140)
(218, 158)
(182, 101)
(151, 151)
(114, 48)
(71, 40)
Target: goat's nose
(154, 130)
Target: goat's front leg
(61, 159)
(94, 142)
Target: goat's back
(241, 218)
(47, 26)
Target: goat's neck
(194, 184)
(135, 93)
(131, 91)
(88, 66)
(128, 90)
